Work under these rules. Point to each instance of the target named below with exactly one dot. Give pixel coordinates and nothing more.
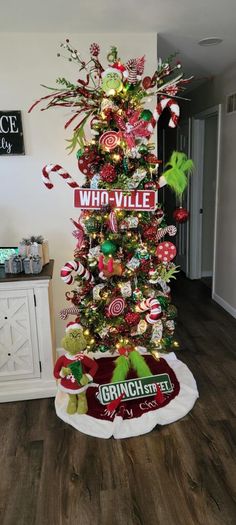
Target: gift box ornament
(14, 264)
(32, 265)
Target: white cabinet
(27, 347)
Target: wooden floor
(182, 474)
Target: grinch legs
(82, 407)
(72, 404)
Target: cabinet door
(19, 357)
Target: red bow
(132, 129)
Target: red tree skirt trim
(138, 416)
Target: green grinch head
(111, 82)
(74, 341)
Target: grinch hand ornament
(74, 370)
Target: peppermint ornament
(166, 252)
(116, 307)
(109, 140)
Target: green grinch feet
(72, 404)
(82, 404)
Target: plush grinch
(74, 369)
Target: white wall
(209, 189)
(26, 206)
(208, 95)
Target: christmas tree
(124, 256)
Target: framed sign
(11, 133)
(142, 200)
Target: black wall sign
(11, 133)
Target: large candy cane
(74, 310)
(155, 309)
(174, 110)
(75, 266)
(55, 168)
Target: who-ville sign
(11, 133)
(142, 200)
(135, 388)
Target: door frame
(196, 191)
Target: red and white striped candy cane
(55, 168)
(155, 309)
(174, 110)
(75, 266)
(74, 310)
(171, 230)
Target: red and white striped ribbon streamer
(174, 110)
(55, 168)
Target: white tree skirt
(123, 428)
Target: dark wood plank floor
(181, 474)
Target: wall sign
(11, 133)
(135, 388)
(90, 199)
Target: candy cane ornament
(170, 230)
(174, 110)
(55, 168)
(155, 309)
(69, 311)
(75, 266)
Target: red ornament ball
(108, 173)
(132, 318)
(181, 214)
(147, 81)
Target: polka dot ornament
(166, 252)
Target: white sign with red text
(90, 199)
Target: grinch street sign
(135, 388)
(90, 199)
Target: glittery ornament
(146, 114)
(147, 81)
(132, 318)
(108, 173)
(150, 233)
(181, 214)
(108, 248)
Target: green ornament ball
(143, 149)
(79, 153)
(108, 248)
(103, 348)
(146, 114)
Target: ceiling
(180, 24)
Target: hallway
(182, 474)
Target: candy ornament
(170, 230)
(55, 168)
(155, 309)
(116, 307)
(75, 266)
(109, 140)
(174, 110)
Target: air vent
(231, 103)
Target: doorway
(206, 128)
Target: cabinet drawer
(19, 355)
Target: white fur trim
(123, 428)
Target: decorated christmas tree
(124, 257)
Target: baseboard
(224, 304)
(207, 273)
